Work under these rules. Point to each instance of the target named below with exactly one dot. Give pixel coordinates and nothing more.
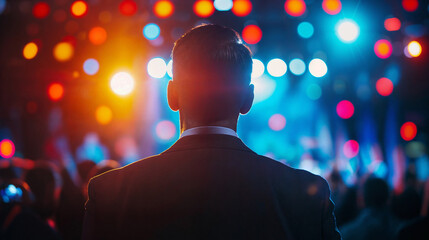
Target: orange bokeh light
(30, 50)
(295, 8)
(163, 9)
(383, 48)
(97, 35)
(204, 8)
(252, 34)
(103, 115)
(79, 9)
(63, 51)
(331, 7)
(55, 91)
(392, 24)
(7, 148)
(241, 8)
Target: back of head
(211, 66)
(376, 192)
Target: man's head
(211, 75)
(375, 192)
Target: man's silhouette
(209, 184)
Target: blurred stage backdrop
(339, 84)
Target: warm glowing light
(351, 148)
(383, 48)
(63, 51)
(128, 7)
(347, 30)
(410, 5)
(55, 91)
(317, 68)
(414, 49)
(157, 68)
(91, 66)
(305, 30)
(408, 131)
(165, 130)
(241, 8)
(392, 24)
(103, 115)
(276, 67)
(223, 5)
(252, 34)
(163, 9)
(297, 66)
(257, 69)
(41, 10)
(345, 109)
(204, 8)
(331, 7)
(295, 8)
(277, 122)
(7, 148)
(79, 8)
(97, 35)
(384, 86)
(30, 50)
(122, 83)
(151, 31)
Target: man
(209, 184)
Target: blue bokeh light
(305, 30)
(151, 31)
(223, 5)
(297, 66)
(2, 6)
(91, 66)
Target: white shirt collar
(209, 130)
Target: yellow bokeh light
(204, 8)
(103, 115)
(30, 50)
(79, 8)
(414, 48)
(163, 8)
(63, 51)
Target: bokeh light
(223, 5)
(241, 8)
(30, 50)
(295, 8)
(128, 7)
(277, 122)
(392, 24)
(258, 68)
(55, 91)
(79, 9)
(331, 7)
(204, 8)
(408, 131)
(314, 91)
(157, 68)
(252, 34)
(384, 86)
(351, 148)
(63, 51)
(345, 109)
(103, 114)
(410, 5)
(151, 31)
(264, 88)
(383, 48)
(163, 9)
(91, 66)
(276, 67)
(122, 83)
(347, 30)
(170, 68)
(165, 130)
(7, 148)
(41, 10)
(97, 35)
(317, 67)
(2, 6)
(297, 66)
(305, 30)
(414, 49)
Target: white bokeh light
(347, 30)
(122, 83)
(170, 68)
(317, 67)
(276, 67)
(258, 68)
(157, 68)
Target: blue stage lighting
(305, 30)
(223, 5)
(347, 30)
(297, 66)
(151, 31)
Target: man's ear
(248, 101)
(172, 96)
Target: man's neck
(186, 124)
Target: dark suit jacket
(209, 187)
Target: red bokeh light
(384, 86)
(55, 91)
(345, 109)
(204, 8)
(331, 7)
(128, 7)
(410, 5)
(7, 148)
(241, 8)
(277, 122)
(392, 24)
(383, 48)
(351, 148)
(408, 131)
(295, 8)
(252, 34)
(41, 10)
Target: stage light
(7, 148)
(384, 86)
(305, 30)
(103, 115)
(392, 24)
(241, 8)
(408, 131)
(163, 8)
(297, 66)
(414, 49)
(345, 109)
(63, 51)
(258, 68)
(317, 68)
(223, 5)
(295, 8)
(347, 30)
(276, 67)
(204, 8)
(165, 130)
(252, 34)
(41, 10)
(97, 35)
(128, 7)
(264, 88)
(91, 66)
(331, 7)
(170, 68)
(410, 5)
(55, 91)
(314, 91)
(151, 31)
(2, 6)
(122, 83)
(351, 148)
(30, 50)
(277, 122)
(157, 68)
(79, 9)
(383, 48)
